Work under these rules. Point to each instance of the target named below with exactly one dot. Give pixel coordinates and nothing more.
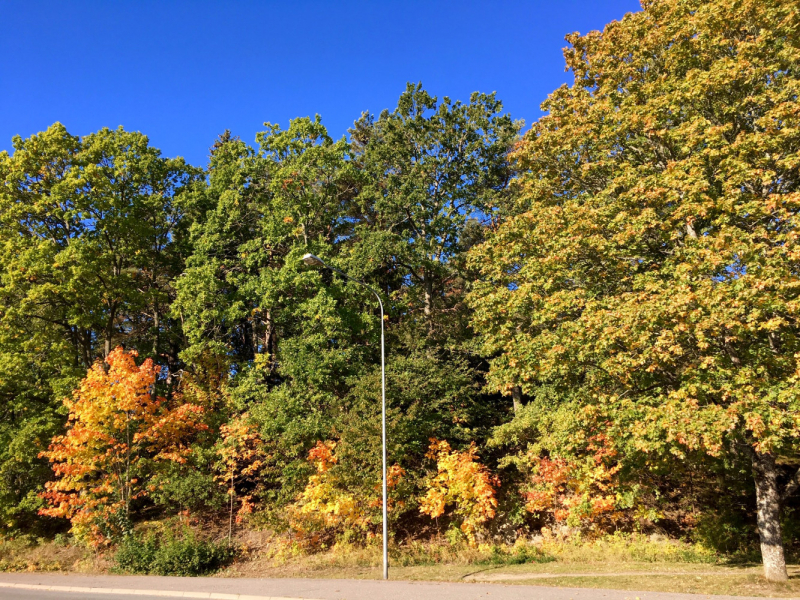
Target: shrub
(516, 555)
(327, 506)
(172, 556)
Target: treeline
(592, 326)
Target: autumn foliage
(652, 268)
(325, 505)
(579, 492)
(463, 484)
(118, 429)
(606, 308)
(241, 456)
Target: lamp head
(312, 261)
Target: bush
(172, 556)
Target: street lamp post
(315, 261)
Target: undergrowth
(165, 551)
(171, 554)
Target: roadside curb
(131, 592)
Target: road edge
(135, 592)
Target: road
(312, 589)
(8, 594)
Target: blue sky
(182, 72)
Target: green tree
(91, 237)
(653, 269)
(291, 336)
(435, 172)
(302, 344)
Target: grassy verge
(266, 554)
(617, 562)
(28, 554)
(745, 583)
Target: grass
(264, 552)
(626, 574)
(38, 555)
(744, 583)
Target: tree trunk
(428, 306)
(768, 502)
(516, 396)
(157, 332)
(109, 332)
(270, 344)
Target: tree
(118, 428)
(265, 210)
(291, 336)
(435, 170)
(653, 269)
(463, 482)
(240, 460)
(91, 239)
(91, 232)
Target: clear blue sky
(182, 72)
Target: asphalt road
(321, 589)
(11, 594)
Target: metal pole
(383, 443)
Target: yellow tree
(328, 504)
(653, 270)
(118, 428)
(241, 459)
(463, 483)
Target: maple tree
(92, 231)
(463, 483)
(578, 491)
(627, 273)
(327, 505)
(323, 505)
(241, 458)
(653, 268)
(118, 428)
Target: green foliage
(627, 271)
(184, 555)
(652, 269)
(302, 345)
(434, 169)
(91, 236)
(22, 473)
(517, 555)
(188, 487)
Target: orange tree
(118, 428)
(579, 492)
(652, 266)
(241, 461)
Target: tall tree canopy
(394, 206)
(91, 239)
(653, 270)
(435, 172)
